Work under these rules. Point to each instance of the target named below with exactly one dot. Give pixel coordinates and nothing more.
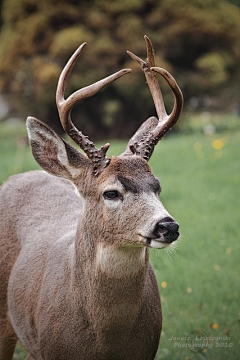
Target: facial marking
(147, 183)
(133, 173)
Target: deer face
(121, 204)
(127, 203)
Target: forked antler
(65, 106)
(145, 146)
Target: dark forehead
(134, 174)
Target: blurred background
(198, 42)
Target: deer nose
(167, 228)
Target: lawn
(198, 279)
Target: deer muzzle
(165, 232)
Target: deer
(76, 279)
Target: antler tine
(62, 81)
(145, 146)
(65, 106)
(162, 128)
(151, 78)
(153, 82)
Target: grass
(198, 280)
(201, 190)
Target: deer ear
(54, 154)
(144, 129)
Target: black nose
(168, 228)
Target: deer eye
(112, 195)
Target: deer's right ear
(54, 154)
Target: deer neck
(116, 274)
(105, 257)
(107, 260)
(114, 281)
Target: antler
(145, 146)
(65, 106)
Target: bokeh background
(197, 163)
(196, 40)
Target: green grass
(201, 190)
(199, 281)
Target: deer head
(121, 190)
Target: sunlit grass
(198, 279)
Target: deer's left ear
(54, 154)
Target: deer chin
(157, 243)
(161, 242)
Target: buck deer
(76, 281)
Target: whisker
(171, 251)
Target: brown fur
(76, 282)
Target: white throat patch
(118, 262)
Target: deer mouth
(162, 242)
(156, 243)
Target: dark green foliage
(196, 40)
